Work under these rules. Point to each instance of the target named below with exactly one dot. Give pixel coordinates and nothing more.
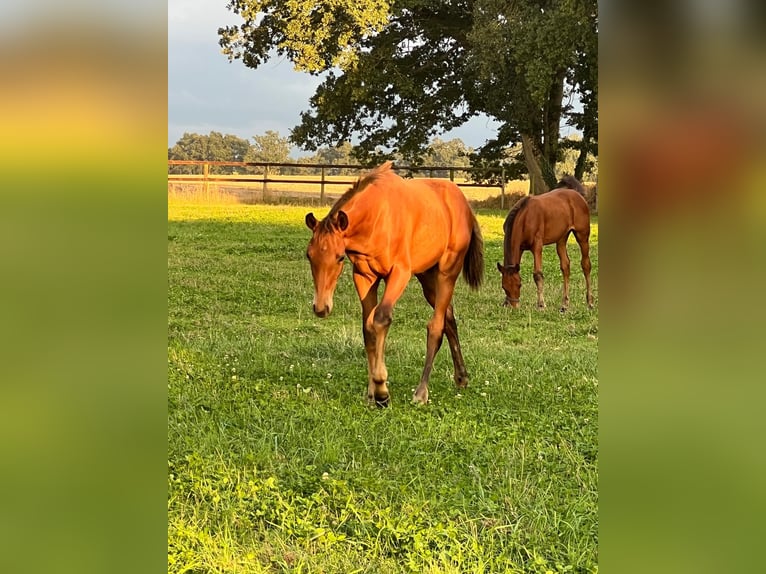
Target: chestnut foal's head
(326, 253)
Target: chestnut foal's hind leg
(561, 249)
(428, 282)
(444, 287)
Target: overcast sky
(206, 93)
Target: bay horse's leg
(367, 288)
(428, 282)
(444, 288)
(561, 249)
(378, 322)
(537, 253)
(582, 237)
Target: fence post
(452, 174)
(265, 177)
(502, 188)
(321, 188)
(205, 183)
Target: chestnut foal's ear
(311, 221)
(341, 220)
(500, 268)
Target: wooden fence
(267, 175)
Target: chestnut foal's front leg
(377, 322)
(367, 288)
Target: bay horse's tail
(473, 264)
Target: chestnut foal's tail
(473, 264)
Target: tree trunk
(537, 183)
(580, 165)
(552, 123)
(585, 147)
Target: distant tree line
(273, 148)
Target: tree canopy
(399, 73)
(212, 147)
(269, 147)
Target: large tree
(399, 73)
(337, 155)
(453, 153)
(269, 147)
(212, 147)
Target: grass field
(277, 464)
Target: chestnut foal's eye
(341, 258)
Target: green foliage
(342, 154)
(315, 36)
(525, 57)
(570, 161)
(398, 75)
(269, 147)
(276, 463)
(212, 147)
(453, 153)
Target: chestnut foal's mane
(361, 184)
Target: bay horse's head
(326, 252)
(511, 284)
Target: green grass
(277, 464)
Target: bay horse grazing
(538, 220)
(390, 229)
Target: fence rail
(206, 178)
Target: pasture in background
(277, 464)
(307, 184)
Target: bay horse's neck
(513, 240)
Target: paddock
(277, 463)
